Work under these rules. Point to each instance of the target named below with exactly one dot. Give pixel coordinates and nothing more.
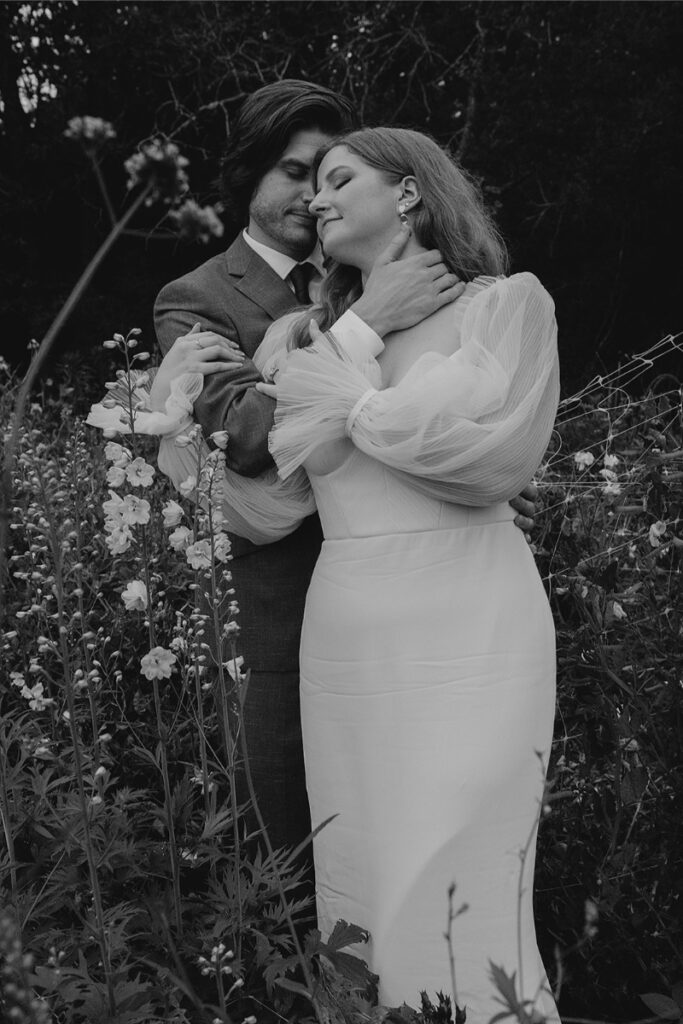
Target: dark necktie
(300, 275)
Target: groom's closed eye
(295, 169)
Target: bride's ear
(410, 196)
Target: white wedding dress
(427, 656)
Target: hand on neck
(411, 248)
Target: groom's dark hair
(263, 128)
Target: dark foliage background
(570, 113)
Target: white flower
(612, 486)
(35, 698)
(115, 476)
(220, 439)
(158, 663)
(221, 547)
(118, 540)
(657, 530)
(135, 596)
(17, 679)
(135, 510)
(113, 509)
(199, 554)
(140, 473)
(234, 667)
(610, 461)
(617, 611)
(187, 486)
(116, 453)
(582, 460)
(180, 538)
(197, 779)
(172, 513)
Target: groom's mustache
(302, 212)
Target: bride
(427, 654)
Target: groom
(273, 266)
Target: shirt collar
(279, 261)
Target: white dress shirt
(358, 339)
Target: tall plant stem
(35, 367)
(163, 749)
(78, 764)
(230, 747)
(278, 879)
(5, 813)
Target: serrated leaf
(661, 1005)
(350, 967)
(505, 985)
(344, 934)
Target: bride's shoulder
(518, 287)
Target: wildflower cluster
(197, 223)
(92, 132)
(158, 163)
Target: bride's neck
(411, 249)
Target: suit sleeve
(229, 400)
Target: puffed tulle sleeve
(469, 428)
(263, 509)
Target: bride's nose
(317, 205)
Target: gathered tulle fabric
(469, 428)
(114, 414)
(264, 508)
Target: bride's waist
(363, 523)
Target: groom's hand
(400, 292)
(525, 507)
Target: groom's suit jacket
(237, 295)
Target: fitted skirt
(427, 693)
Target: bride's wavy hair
(450, 217)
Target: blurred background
(569, 113)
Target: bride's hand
(199, 351)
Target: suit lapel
(257, 281)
